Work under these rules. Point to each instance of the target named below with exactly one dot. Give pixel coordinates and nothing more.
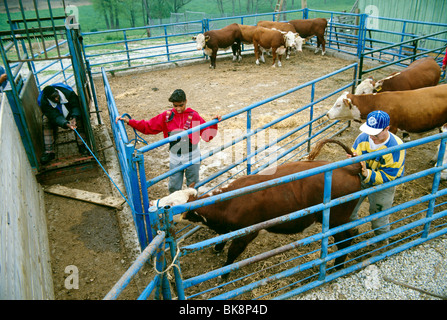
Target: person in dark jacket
(60, 107)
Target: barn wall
(433, 11)
(25, 270)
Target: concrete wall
(25, 269)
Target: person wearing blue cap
(376, 136)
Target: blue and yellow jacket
(383, 168)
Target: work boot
(47, 157)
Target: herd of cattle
(412, 98)
(266, 36)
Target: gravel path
(419, 273)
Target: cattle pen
(269, 117)
(291, 274)
(293, 270)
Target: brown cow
(260, 206)
(286, 27)
(265, 39)
(421, 73)
(312, 27)
(213, 40)
(247, 33)
(415, 111)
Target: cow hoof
(257, 62)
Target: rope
(173, 264)
(103, 168)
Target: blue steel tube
(326, 219)
(135, 267)
(436, 181)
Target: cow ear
(207, 37)
(192, 185)
(347, 103)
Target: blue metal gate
(426, 219)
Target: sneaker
(47, 157)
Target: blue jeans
(191, 173)
(378, 201)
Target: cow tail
(316, 150)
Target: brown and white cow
(277, 41)
(421, 73)
(286, 27)
(260, 206)
(312, 27)
(418, 110)
(211, 41)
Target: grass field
(91, 20)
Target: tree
(177, 4)
(220, 7)
(110, 10)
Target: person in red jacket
(171, 122)
(444, 62)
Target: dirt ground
(88, 236)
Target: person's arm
(152, 126)
(209, 133)
(384, 169)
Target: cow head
(201, 40)
(299, 42)
(289, 39)
(366, 86)
(343, 109)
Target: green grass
(90, 20)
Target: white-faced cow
(211, 41)
(421, 73)
(277, 41)
(260, 206)
(312, 27)
(286, 27)
(415, 111)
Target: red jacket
(444, 62)
(176, 122)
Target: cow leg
(256, 47)
(213, 60)
(238, 246)
(321, 42)
(343, 240)
(219, 247)
(406, 137)
(274, 56)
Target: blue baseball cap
(375, 122)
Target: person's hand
(362, 163)
(364, 170)
(126, 120)
(72, 124)
(443, 68)
(218, 117)
(3, 78)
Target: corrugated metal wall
(434, 11)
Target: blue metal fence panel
(339, 40)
